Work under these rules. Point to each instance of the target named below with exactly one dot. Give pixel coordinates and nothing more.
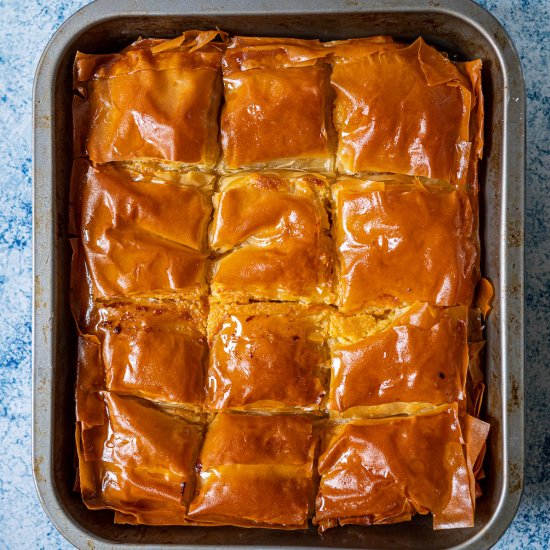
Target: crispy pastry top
(277, 105)
(406, 109)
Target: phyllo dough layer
(267, 356)
(277, 105)
(140, 462)
(271, 234)
(406, 109)
(399, 241)
(420, 356)
(256, 471)
(142, 234)
(385, 470)
(156, 350)
(156, 99)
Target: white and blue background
(25, 28)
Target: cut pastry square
(271, 235)
(406, 109)
(157, 99)
(277, 105)
(143, 235)
(156, 350)
(399, 241)
(414, 356)
(256, 471)
(268, 356)
(380, 471)
(140, 463)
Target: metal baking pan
(457, 26)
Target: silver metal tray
(458, 26)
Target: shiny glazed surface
(271, 229)
(123, 112)
(276, 244)
(406, 110)
(404, 243)
(140, 462)
(276, 104)
(382, 471)
(266, 356)
(256, 471)
(140, 237)
(422, 356)
(155, 351)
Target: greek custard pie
(256, 471)
(268, 356)
(157, 99)
(154, 350)
(400, 241)
(140, 234)
(270, 234)
(406, 109)
(385, 470)
(140, 462)
(276, 282)
(277, 105)
(420, 356)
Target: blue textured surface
(26, 28)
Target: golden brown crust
(143, 235)
(155, 350)
(122, 111)
(475, 438)
(401, 243)
(90, 380)
(245, 321)
(385, 471)
(267, 356)
(140, 461)
(277, 105)
(420, 357)
(270, 230)
(406, 109)
(256, 471)
(236, 438)
(80, 293)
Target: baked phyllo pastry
(399, 241)
(90, 382)
(378, 471)
(277, 105)
(140, 462)
(157, 99)
(267, 356)
(143, 235)
(155, 350)
(270, 233)
(415, 356)
(406, 109)
(255, 471)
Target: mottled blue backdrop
(25, 29)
